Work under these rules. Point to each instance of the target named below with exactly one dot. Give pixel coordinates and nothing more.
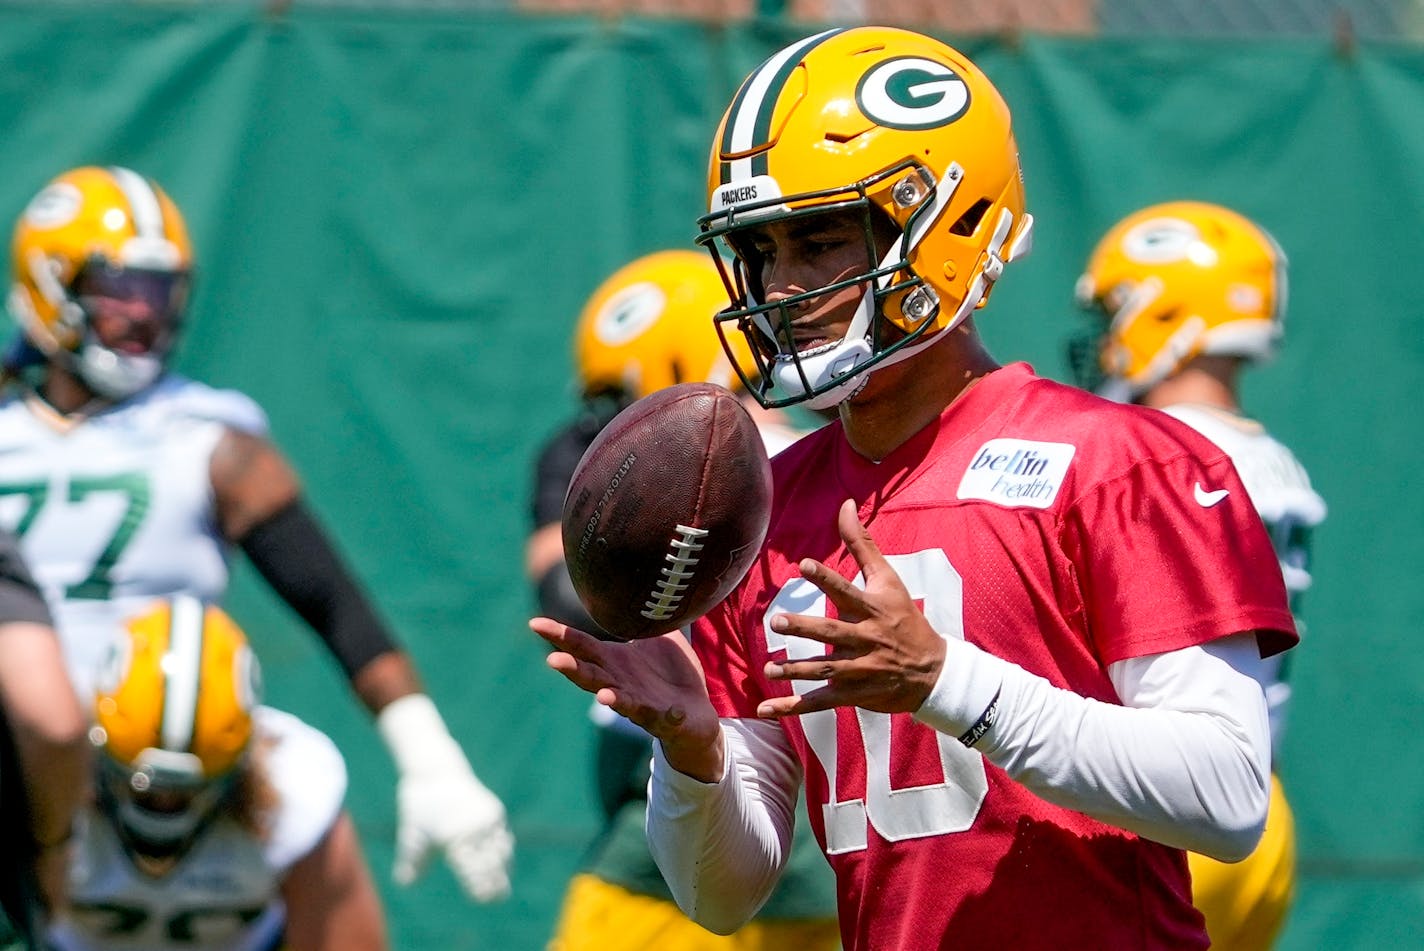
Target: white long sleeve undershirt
(1185, 761)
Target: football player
(1009, 652)
(217, 823)
(126, 482)
(648, 326)
(1183, 297)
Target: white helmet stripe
(143, 202)
(1280, 266)
(742, 124)
(183, 669)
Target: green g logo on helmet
(629, 313)
(911, 92)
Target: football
(666, 510)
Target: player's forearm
(721, 846)
(332, 903)
(1185, 762)
(386, 679)
(57, 779)
(292, 551)
(48, 726)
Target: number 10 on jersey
(911, 812)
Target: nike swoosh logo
(1207, 499)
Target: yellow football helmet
(173, 719)
(100, 233)
(650, 324)
(897, 125)
(1175, 281)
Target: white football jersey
(116, 509)
(1281, 491)
(1276, 481)
(225, 892)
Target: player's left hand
(449, 809)
(885, 655)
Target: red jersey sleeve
(721, 648)
(1172, 554)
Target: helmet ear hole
(968, 222)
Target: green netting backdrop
(398, 216)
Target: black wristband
(986, 720)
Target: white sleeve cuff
(969, 683)
(417, 737)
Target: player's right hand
(656, 682)
(885, 655)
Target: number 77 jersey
(116, 509)
(1052, 529)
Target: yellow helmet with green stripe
(895, 124)
(1174, 281)
(173, 720)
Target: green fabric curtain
(399, 214)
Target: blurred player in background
(43, 757)
(218, 823)
(647, 326)
(126, 482)
(1009, 655)
(1185, 296)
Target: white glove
(441, 804)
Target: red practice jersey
(1050, 528)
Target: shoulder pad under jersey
(186, 397)
(307, 774)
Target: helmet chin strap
(115, 375)
(826, 363)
